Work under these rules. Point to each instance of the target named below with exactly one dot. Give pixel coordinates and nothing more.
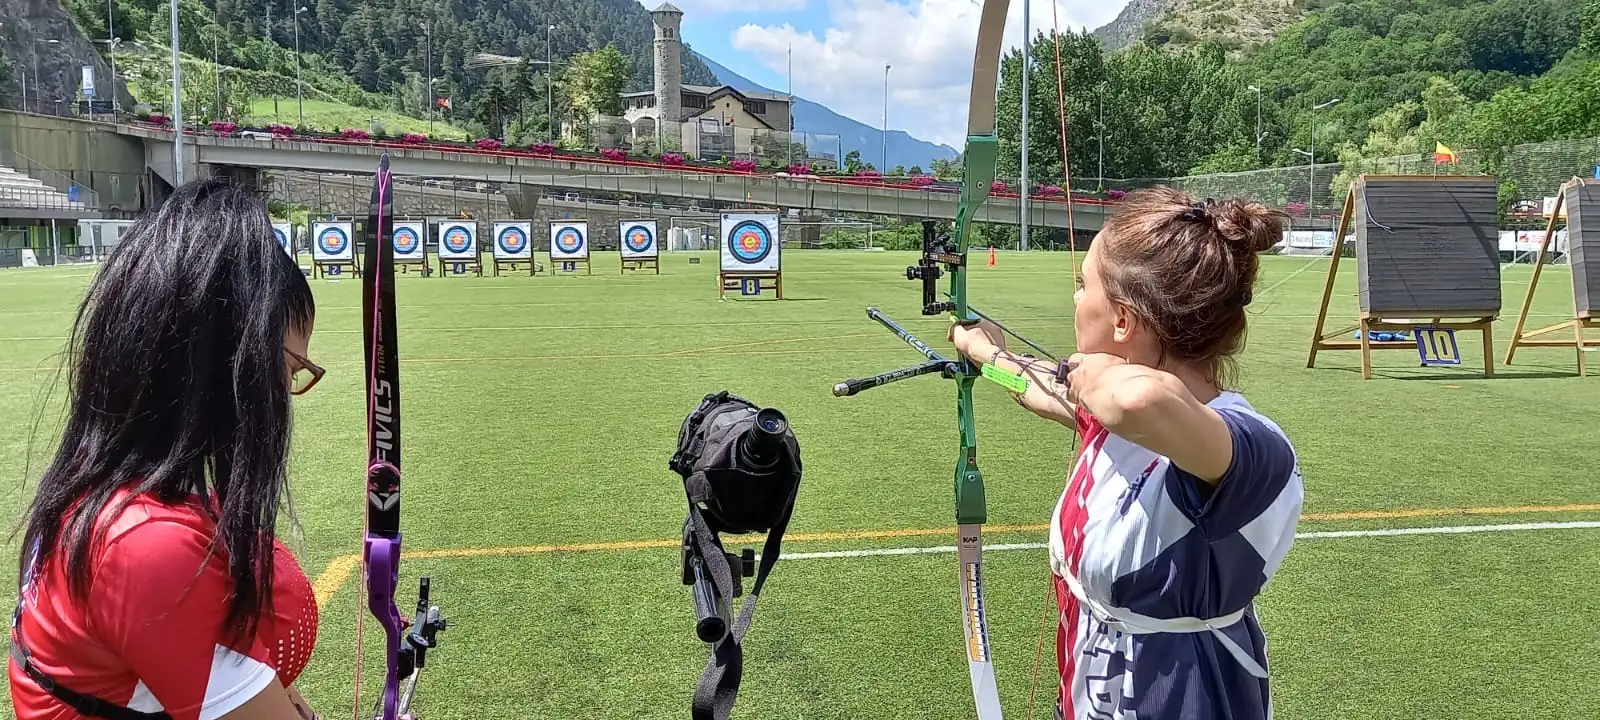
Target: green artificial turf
(542, 411)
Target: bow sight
(937, 249)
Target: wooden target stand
(569, 266)
(640, 264)
(1583, 316)
(421, 266)
(513, 265)
(334, 269)
(749, 283)
(1434, 330)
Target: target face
(284, 233)
(331, 241)
(406, 241)
(569, 240)
(458, 241)
(638, 238)
(512, 241)
(750, 242)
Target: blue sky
(840, 48)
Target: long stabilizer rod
(855, 385)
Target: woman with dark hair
(1184, 499)
(152, 582)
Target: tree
(592, 84)
(1590, 41)
(852, 161)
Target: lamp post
(299, 91)
(1311, 196)
(427, 30)
(550, 89)
(177, 99)
(1022, 201)
(111, 56)
(884, 138)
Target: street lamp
(427, 30)
(111, 54)
(884, 138)
(299, 92)
(550, 90)
(177, 99)
(1311, 197)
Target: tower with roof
(669, 62)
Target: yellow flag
(1442, 154)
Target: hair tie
(1244, 299)
(1196, 213)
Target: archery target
(458, 240)
(410, 241)
(750, 242)
(569, 241)
(513, 240)
(332, 242)
(284, 234)
(638, 239)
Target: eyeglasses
(305, 376)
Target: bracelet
(995, 355)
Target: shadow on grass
(1465, 375)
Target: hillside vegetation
(1473, 74)
(380, 54)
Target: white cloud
(927, 43)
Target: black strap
(718, 687)
(86, 705)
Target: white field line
(1388, 532)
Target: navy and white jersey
(1156, 574)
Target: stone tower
(669, 63)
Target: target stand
(1427, 262)
(638, 247)
(569, 247)
(640, 265)
(333, 254)
(750, 259)
(1580, 198)
(749, 284)
(459, 253)
(569, 266)
(512, 248)
(410, 241)
(497, 265)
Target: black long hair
(178, 387)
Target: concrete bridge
(79, 146)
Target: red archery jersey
(152, 635)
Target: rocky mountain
(812, 117)
(1128, 27)
(1234, 23)
(47, 52)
